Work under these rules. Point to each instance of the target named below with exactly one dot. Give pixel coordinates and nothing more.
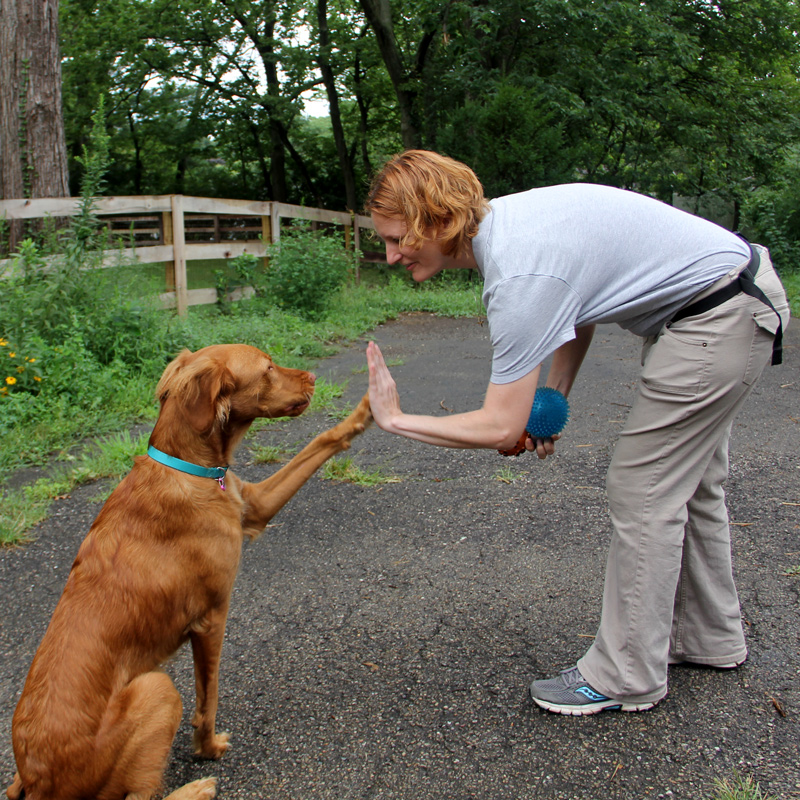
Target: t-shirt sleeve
(529, 316)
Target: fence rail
(175, 229)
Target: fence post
(179, 254)
(357, 244)
(275, 222)
(266, 233)
(166, 238)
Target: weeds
(25, 507)
(739, 788)
(266, 454)
(343, 469)
(508, 475)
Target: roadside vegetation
(82, 347)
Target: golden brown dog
(97, 716)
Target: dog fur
(97, 715)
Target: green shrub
(771, 216)
(306, 267)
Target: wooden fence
(175, 229)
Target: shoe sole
(591, 708)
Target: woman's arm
(567, 360)
(497, 424)
(564, 368)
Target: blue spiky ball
(549, 413)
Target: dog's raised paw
(362, 414)
(203, 789)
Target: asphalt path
(382, 638)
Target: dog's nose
(312, 377)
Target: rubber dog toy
(549, 415)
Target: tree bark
(345, 163)
(379, 16)
(33, 151)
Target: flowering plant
(18, 372)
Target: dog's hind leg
(15, 791)
(203, 789)
(265, 499)
(136, 736)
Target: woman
(556, 261)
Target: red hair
(436, 196)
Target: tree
(33, 155)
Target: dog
(97, 716)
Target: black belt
(744, 283)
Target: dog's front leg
(207, 649)
(265, 499)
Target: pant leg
(695, 378)
(706, 622)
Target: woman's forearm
(497, 424)
(568, 358)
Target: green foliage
(344, 469)
(306, 267)
(78, 333)
(511, 140)
(19, 371)
(739, 788)
(265, 454)
(771, 215)
(23, 508)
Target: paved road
(381, 639)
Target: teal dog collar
(217, 473)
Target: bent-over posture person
(710, 309)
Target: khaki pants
(669, 591)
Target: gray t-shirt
(564, 256)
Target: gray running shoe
(569, 693)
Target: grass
(266, 454)
(343, 469)
(508, 475)
(739, 788)
(26, 506)
(791, 282)
(39, 430)
(51, 430)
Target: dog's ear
(201, 386)
(168, 382)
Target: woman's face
(423, 262)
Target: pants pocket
(676, 363)
(765, 324)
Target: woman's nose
(393, 254)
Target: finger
(544, 448)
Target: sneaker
(569, 693)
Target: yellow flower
(31, 360)
(36, 378)
(12, 355)
(11, 380)
(20, 368)
(3, 343)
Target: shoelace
(572, 677)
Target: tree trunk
(379, 16)
(329, 80)
(33, 152)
